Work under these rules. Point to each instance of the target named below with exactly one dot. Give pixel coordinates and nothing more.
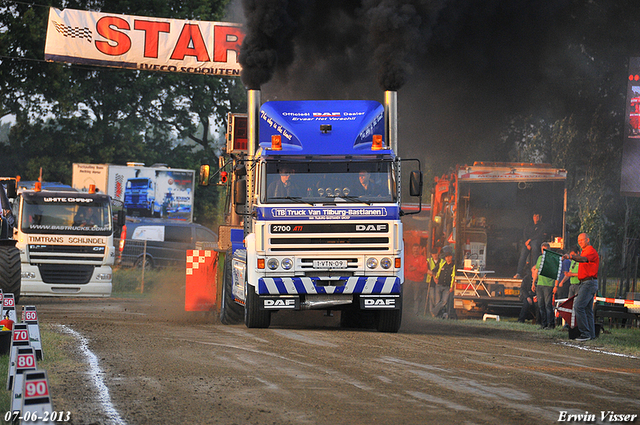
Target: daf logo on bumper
(371, 227)
(381, 302)
(276, 303)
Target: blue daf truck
(316, 205)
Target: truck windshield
(138, 183)
(69, 214)
(355, 182)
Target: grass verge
(619, 340)
(54, 345)
(129, 282)
(5, 396)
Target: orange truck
(479, 212)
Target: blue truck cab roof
(322, 127)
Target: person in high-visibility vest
(568, 286)
(434, 264)
(444, 286)
(544, 287)
(415, 268)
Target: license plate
(329, 264)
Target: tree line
(499, 80)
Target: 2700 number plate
(329, 264)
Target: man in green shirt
(571, 276)
(543, 287)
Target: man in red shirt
(589, 261)
(415, 268)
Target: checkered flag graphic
(73, 32)
(119, 185)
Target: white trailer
(156, 191)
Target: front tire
(355, 318)
(147, 261)
(10, 270)
(390, 320)
(253, 316)
(230, 312)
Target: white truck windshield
(69, 214)
(352, 182)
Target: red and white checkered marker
(201, 276)
(196, 259)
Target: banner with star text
(143, 43)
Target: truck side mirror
(121, 218)
(11, 189)
(240, 192)
(204, 175)
(415, 183)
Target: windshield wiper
(354, 199)
(297, 199)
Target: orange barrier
(201, 280)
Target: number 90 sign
(35, 389)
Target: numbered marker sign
(29, 316)
(25, 362)
(19, 339)
(37, 402)
(35, 389)
(20, 335)
(9, 307)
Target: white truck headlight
(287, 263)
(372, 263)
(272, 263)
(385, 263)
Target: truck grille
(353, 236)
(72, 253)
(66, 273)
(321, 243)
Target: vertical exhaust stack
(391, 119)
(253, 120)
(253, 116)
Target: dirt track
(164, 366)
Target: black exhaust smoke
(390, 32)
(268, 44)
(394, 32)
